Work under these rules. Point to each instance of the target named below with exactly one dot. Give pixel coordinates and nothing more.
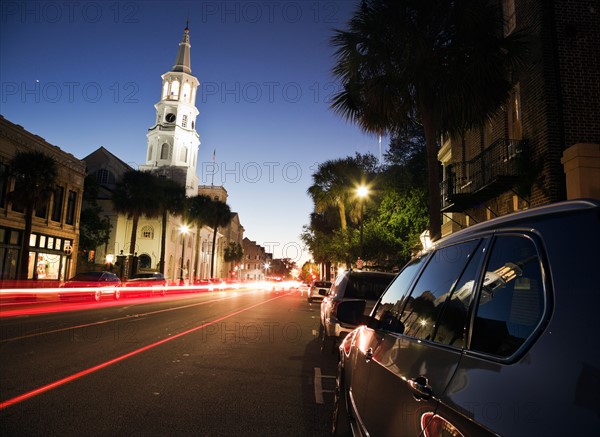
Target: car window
(433, 288)
(389, 308)
(369, 287)
(450, 327)
(511, 301)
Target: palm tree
(221, 216)
(439, 63)
(334, 183)
(171, 199)
(199, 210)
(35, 176)
(135, 196)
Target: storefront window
(47, 265)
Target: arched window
(164, 151)
(186, 92)
(165, 90)
(144, 261)
(147, 232)
(175, 89)
(149, 153)
(183, 154)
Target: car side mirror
(351, 312)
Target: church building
(172, 152)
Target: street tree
(34, 174)
(199, 212)
(441, 64)
(94, 229)
(135, 195)
(170, 196)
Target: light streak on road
(90, 370)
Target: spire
(182, 63)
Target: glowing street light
(267, 265)
(184, 229)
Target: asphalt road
(211, 364)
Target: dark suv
(491, 332)
(350, 285)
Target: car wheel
(341, 419)
(309, 300)
(117, 294)
(97, 295)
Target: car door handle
(420, 388)
(368, 354)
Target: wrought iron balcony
(467, 184)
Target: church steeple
(182, 62)
(173, 140)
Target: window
(147, 232)
(57, 204)
(70, 218)
(41, 210)
(3, 183)
(186, 92)
(165, 151)
(183, 154)
(175, 89)
(102, 176)
(184, 120)
(510, 18)
(511, 301)
(451, 326)
(144, 261)
(390, 307)
(433, 288)
(149, 153)
(515, 129)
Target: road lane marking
(75, 376)
(319, 386)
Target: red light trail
(75, 376)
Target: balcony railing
(494, 171)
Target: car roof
(554, 209)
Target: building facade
(254, 266)
(54, 241)
(518, 160)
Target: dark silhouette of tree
(441, 64)
(135, 195)
(170, 196)
(34, 174)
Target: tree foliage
(440, 64)
(94, 230)
(34, 174)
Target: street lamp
(362, 192)
(184, 229)
(267, 265)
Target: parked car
(93, 285)
(318, 290)
(490, 332)
(147, 284)
(364, 285)
(203, 285)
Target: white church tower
(173, 141)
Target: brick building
(54, 240)
(549, 126)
